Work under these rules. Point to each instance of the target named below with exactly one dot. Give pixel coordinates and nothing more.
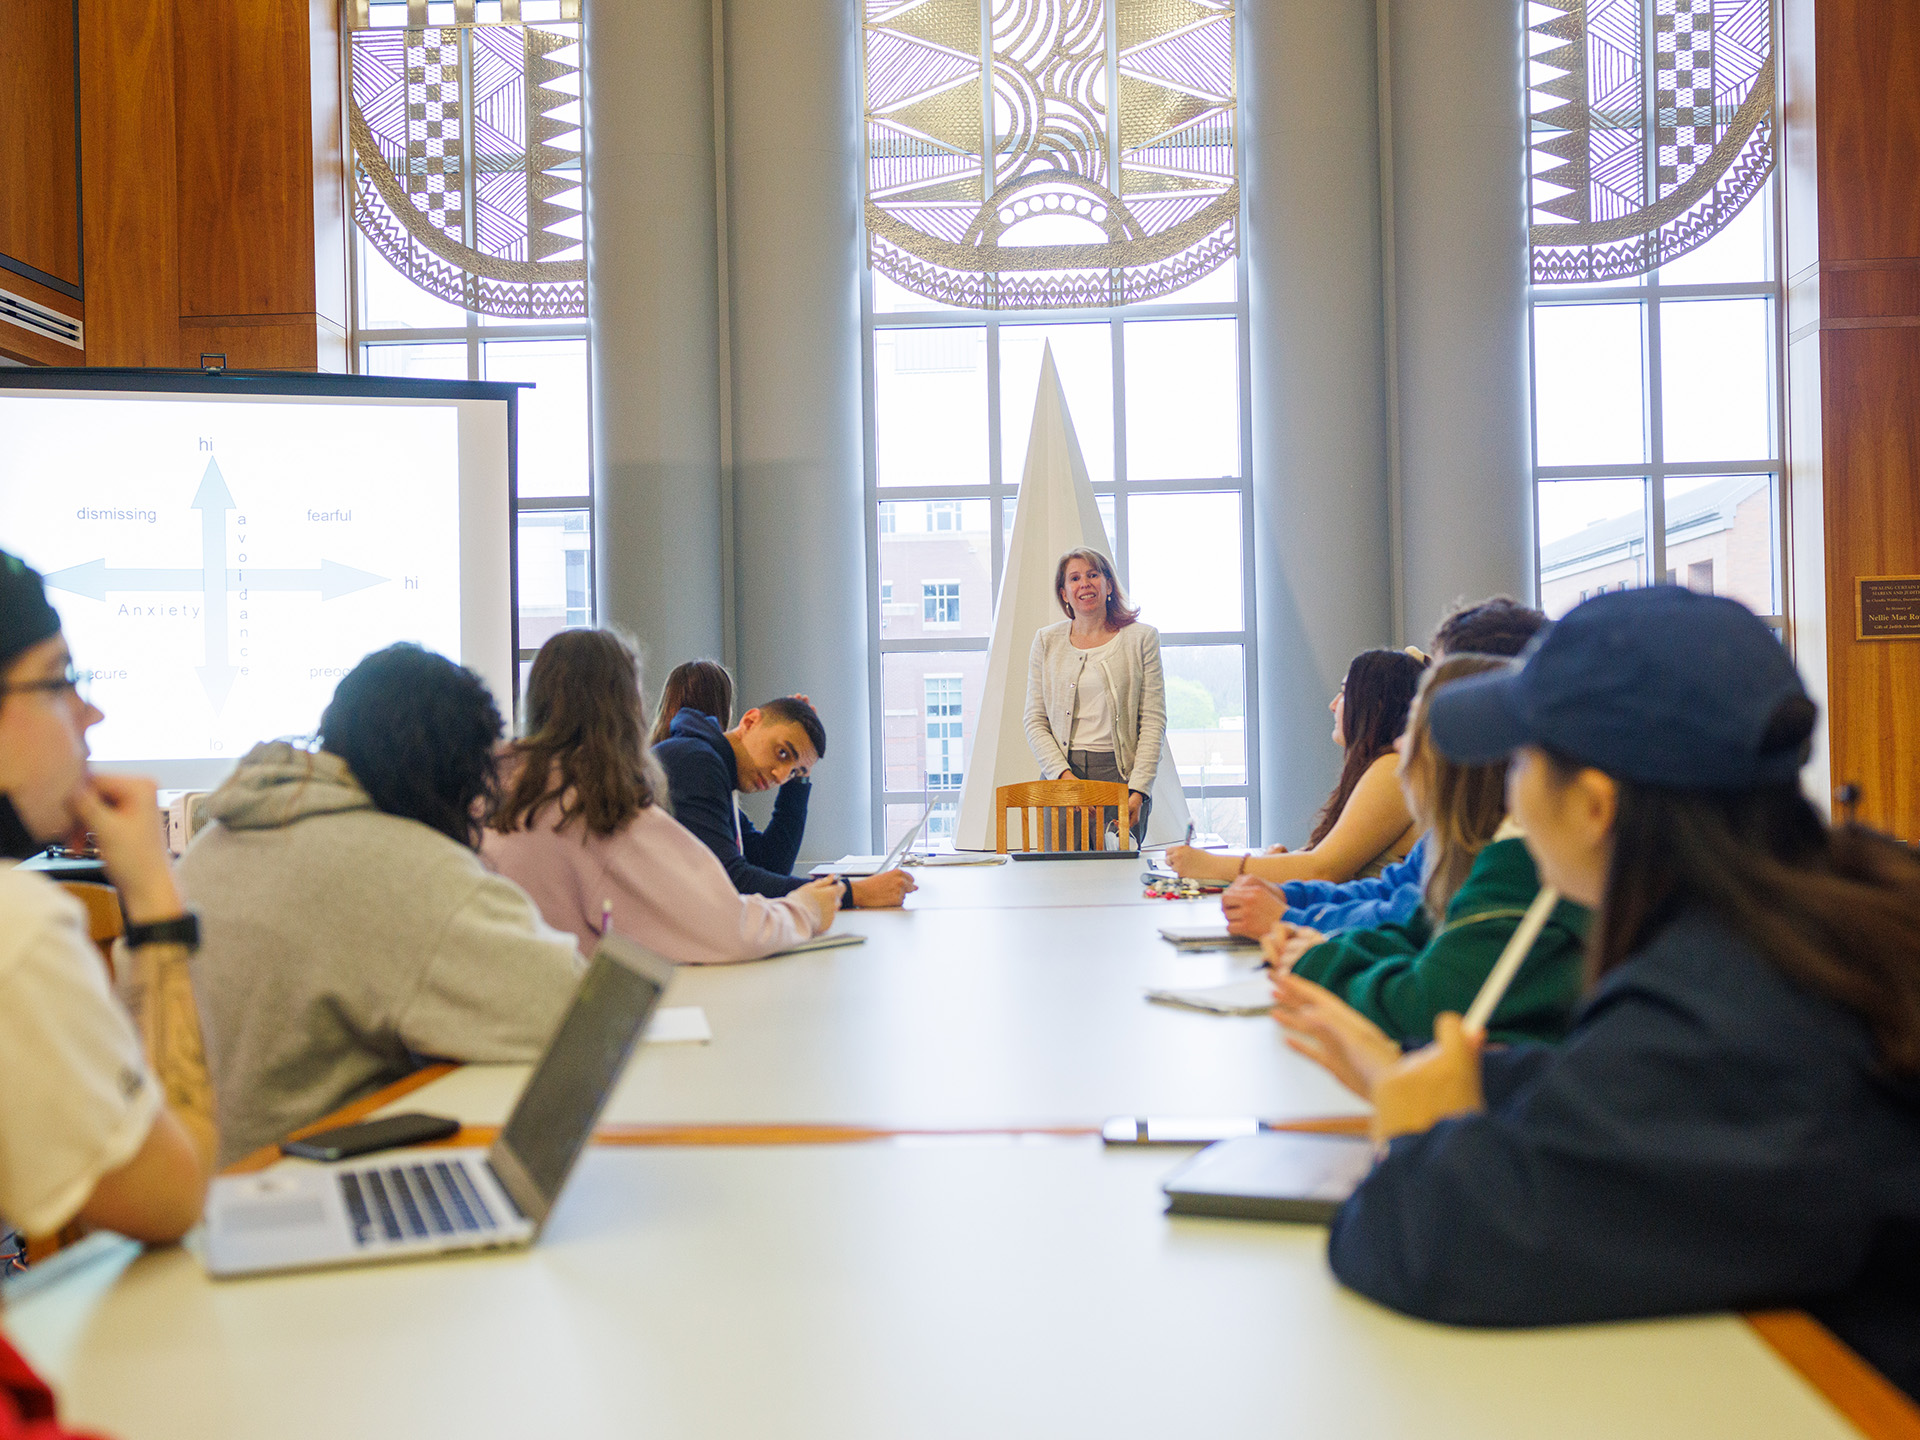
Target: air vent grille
(30, 315)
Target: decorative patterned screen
(1045, 222)
(1652, 127)
(467, 151)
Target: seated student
(1734, 1120)
(1499, 625)
(578, 826)
(1479, 883)
(1364, 826)
(99, 1122)
(702, 685)
(350, 932)
(777, 743)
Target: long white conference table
(1008, 1282)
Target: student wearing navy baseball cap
(1734, 1120)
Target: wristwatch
(181, 930)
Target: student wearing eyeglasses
(106, 1117)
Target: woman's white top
(1129, 664)
(1092, 709)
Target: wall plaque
(1887, 607)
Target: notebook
(1209, 936)
(1275, 1175)
(832, 940)
(1253, 996)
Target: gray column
(800, 555)
(1459, 259)
(1311, 163)
(652, 282)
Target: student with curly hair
(349, 931)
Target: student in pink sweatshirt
(581, 827)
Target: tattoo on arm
(157, 988)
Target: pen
(1189, 834)
(606, 916)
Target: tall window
(468, 256)
(1656, 300)
(1045, 216)
(945, 768)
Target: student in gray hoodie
(349, 931)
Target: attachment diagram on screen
(219, 566)
(213, 580)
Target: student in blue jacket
(1734, 1120)
(773, 745)
(1499, 625)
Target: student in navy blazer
(1734, 1120)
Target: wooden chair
(1068, 814)
(105, 923)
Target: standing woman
(1096, 702)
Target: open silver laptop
(431, 1201)
(858, 865)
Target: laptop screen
(557, 1111)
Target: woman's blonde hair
(1459, 806)
(1119, 613)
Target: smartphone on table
(1178, 1130)
(345, 1141)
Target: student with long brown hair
(1479, 882)
(579, 827)
(702, 685)
(1734, 1120)
(1365, 824)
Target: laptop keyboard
(413, 1202)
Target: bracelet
(181, 930)
(1243, 864)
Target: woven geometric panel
(1646, 140)
(467, 150)
(999, 177)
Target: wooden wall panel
(327, 80)
(243, 108)
(265, 342)
(1852, 156)
(1867, 53)
(1870, 380)
(131, 224)
(39, 152)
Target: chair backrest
(1067, 814)
(104, 920)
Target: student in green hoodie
(1479, 883)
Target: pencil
(1508, 965)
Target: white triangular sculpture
(1056, 513)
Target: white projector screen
(223, 547)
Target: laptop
(433, 1202)
(859, 865)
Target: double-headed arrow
(95, 579)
